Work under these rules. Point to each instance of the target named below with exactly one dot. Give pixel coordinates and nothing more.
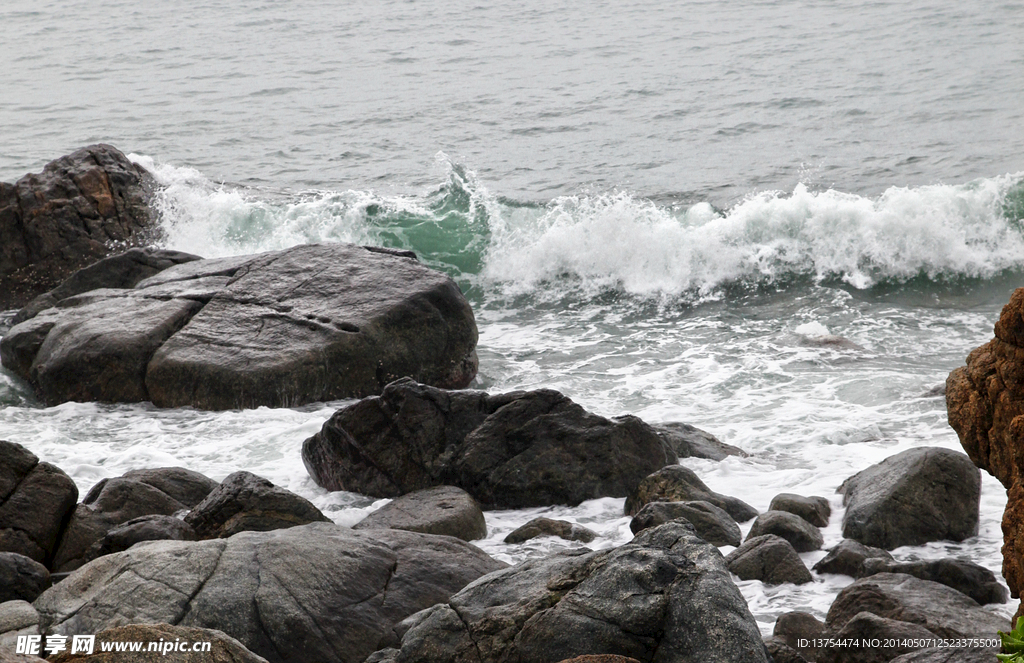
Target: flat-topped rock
(311, 323)
(443, 510)
(67, 217)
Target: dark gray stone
(676, 483)
(123, 270)
(316, 592)
(445, 510)
(68, 216)
(804, 536)
(516, 450)
(21, 578)
(781, 652)
(770, 559)
(713, 524)
(895, 637)
(847, 558)
(110, 503)
(310, 323)
(920, 495)
(145, 528)
(244, 502)
(35, 500)
(186, 486)
(973, 580)
(691, 442)
(942, 610)
(665, 596)
(548, 527)
(815, 510)
(799, 628)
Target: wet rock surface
(968, 578)
(848, 557)
(713, 524)
(815, 510)
(223, 648)
(691, 442)
(676, 483)
(445, 510)
(919, 495)
(515, 450)
(76, 211)
(803, 536)
(770, 559)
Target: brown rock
(985, 402)
(81, 208)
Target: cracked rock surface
(68, 216)
(665, 596)
(315, 322)
(317, 592)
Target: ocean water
(657, 208)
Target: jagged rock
(516, 450)
(676, 483)
(316, 592)
(223, 648)
(71, 214)
(21, 578)
(985, 401)
(145, 528)
(123, 270)
(973, 580)
(548, 527)
(781, 652)
(770, 559)
(944, 611)
(244, 502)
(316, 322)
(848, 557)
(804, 536)
(111, 503)
(35, 499)
(893, 637)
(919, 495)
(691, 442)
(815, 510)
(186, 486)
(798, 630)
(443, 510)
(713, 524)
(665, 596)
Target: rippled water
(655, 208)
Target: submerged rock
(311, 323)
(691, 442)
(316, 592)
(985, 403)
(713, 524)
(919, 495)
(71, 214)
(770, 559)
(665, 596)
(848, 557)
(35, 500)
(515, 450)
(676, 483)
(445, 510)
(548, 527)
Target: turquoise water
(658, 209)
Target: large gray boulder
(35, 499)
(942, 610)
(972, 579)
(515, 450)
(316, 592)
(815, 510)
(68, 216)
(445, 510)
(21, 578)
(244, 502)
(665, 596)
(770, 559)
(676, 483)
(804, 536)
(713, 524)
(315, 322)
(919, 495)
(144, 528)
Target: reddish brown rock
(985, 400)
(80, 208)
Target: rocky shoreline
(268, 575)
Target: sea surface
(658, 208)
